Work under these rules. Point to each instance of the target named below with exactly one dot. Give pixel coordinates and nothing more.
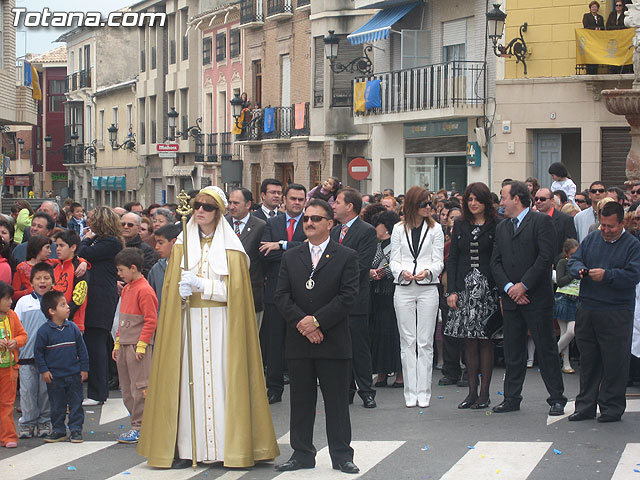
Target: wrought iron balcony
(73, 155)
(76, 80)
(285, 124)
(85, 78)
(251, 12)
(446, 85)
(210, 151)
(277, 7)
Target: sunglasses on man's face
(313, 218)
(541, 199)
(578, 200)
(597, 190)
(636, 191)
(128, 224)
(207, 207)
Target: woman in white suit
(417, 251)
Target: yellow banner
(610, 47)
(358, 96)
(35, 84)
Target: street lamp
(20, 144)
(362, 64)
(236, 109)
(516, 47)
(195, 131)
(129, 142)
(48, 141)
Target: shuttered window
(341, 90)
(415, 48)
(454, 32)
(318, 72)
(615, 145)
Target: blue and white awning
(379, 26)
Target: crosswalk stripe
(512, 460)
(113, 410)
(633, 405)
(284, 439)
(628, 464)
(143, 471)
(367, 456)
(46, 457)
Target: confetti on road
(92, 432)
(72, 469)
(499, 393)
(425, 448)
(121, 426)
(440, 397)
(636, 470)
(420, 412)
(482, 456)
(557, 452)
(126, 473)
(471, 447)
(90, 411)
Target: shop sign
(440, 128)
(17, 180)
(474, 154)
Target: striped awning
(379, 26)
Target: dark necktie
(237, 227)
(272, 213)
(290, 229)
(515, 224)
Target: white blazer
(430, 256)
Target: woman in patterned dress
(472, 294)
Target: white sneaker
(529, 363)
(90, 402)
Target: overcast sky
(39, 40)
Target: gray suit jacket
(250, 238)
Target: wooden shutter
(615, 145)
(318, 72)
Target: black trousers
(540, 323)
(604, 340)
(97, 341)
(274, 334)
(333, 376)
(361, 351)
(451, 347)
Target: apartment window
(172, 39)
(141, 116)
(55, 92)
(257, 82)
(221, 46)
(318, 72)
(100, 133)
(152, 116)
(114, 116)
(185, 40)
(415, 48)
(72, 62)
(143, 46)
(129, 116)
(454, 40)
(87, 57)
(234, 43)
(153, 58)
(206, 50)
(184, 112)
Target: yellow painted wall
(550, 35)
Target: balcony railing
(251, 11)
(73, 155)
(284, 124)
(72, 82)
(275, 7)
(212, 147)
(225, 146)
(81, 79)
(443, 85)
(85, 78)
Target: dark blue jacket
(621, 262)
(102, 294)
(61, 349)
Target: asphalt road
(390, 442)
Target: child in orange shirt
(12, 337)
(38, 250)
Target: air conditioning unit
(481, 136)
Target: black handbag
(493, 324)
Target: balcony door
(286, 93)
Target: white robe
(635, 341)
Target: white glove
(190, 283)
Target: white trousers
(416, 310)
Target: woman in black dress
(385, 340)
(472, 295)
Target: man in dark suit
(361, 237)
(521, 267)
(280, 233)
(562, 223)
(271, 196)
(249, 229)
(317, 287)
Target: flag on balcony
(298, 110)
(27, 74)
(269, 120)
(358, 96)
(600, 47)
(372, 97)
(237, 126)
(35, 84)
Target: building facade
(555, 112)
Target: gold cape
(249, 434)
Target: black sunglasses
(207, 207)
(128, 224)
(541, 199)
(424, 204)
(637, 190)
(580, 201)
(597, 190)
(313, 218)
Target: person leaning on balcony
(592, 20)
(615, 21)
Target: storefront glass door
(436, 172)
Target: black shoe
(465, 405)
(444, 381)
(397, 385)
(76, 437)
(351, 395)
(368, 401)
(56, 437)
(180, 463)
(274, 398)
(381, 383)
(578, 417)
(604, 418)
(347, 467)
(556, 409)
(481, 405)
(114, 384)
(505, 407)
(292, 465)
(463, 382)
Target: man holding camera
(608, 264)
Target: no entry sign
(359, 168)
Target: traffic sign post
(359, 168)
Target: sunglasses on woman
(424, 204)
(207, 207)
